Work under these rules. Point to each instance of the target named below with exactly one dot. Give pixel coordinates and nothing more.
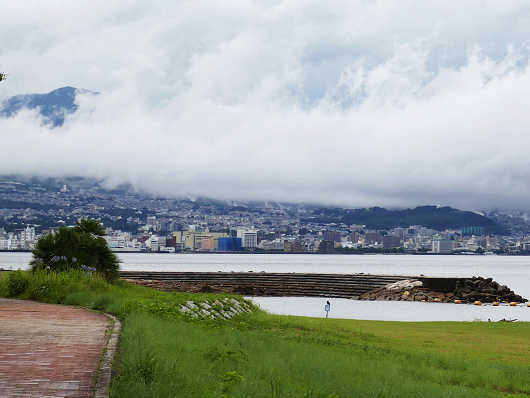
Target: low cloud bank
(282, 102)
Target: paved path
(49, 350)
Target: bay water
(513, 271)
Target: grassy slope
(260, 355)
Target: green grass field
(163, 354)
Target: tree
(91, 226)
(3, 76)
(76, 247)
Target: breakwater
(265, 284)
(362, 286)
(279, 284)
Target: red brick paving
(49, 350)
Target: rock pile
(485, 290)
(219, 309)
(467, 290)
(407, 290)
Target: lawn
(165, 354)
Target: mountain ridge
(430, 216)
(53, 106)
(86, 190)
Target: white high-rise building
(249, 238)
(153, 243)
(28, 234)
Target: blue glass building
(229, 244)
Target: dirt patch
(202, 287)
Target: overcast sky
(357, 103)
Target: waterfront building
(249, 238)
(355, 236)
(27, 234)
(473, 231)
(208, 244)
(191, 240)
(229, 244)
(326, 246)
(153, 243)
(372, 238)
(275, 244)
(332, 236)
(442, 245)
(391, 241)
(293, 246)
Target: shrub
(77, 247)
(17, 283)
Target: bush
(78, 247)
(17, 283)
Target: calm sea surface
(512, 271)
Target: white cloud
(362, 103)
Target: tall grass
(74, 287)
(53, 287)
(163, 358)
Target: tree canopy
(3, 76)
(80, 247)
(91, 226)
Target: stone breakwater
(467, 290)
(263, 283)
(362, 286)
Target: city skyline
(140, 222)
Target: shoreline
(305, 253)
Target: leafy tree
(76, 247)
(3, 76)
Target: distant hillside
(429, 216)
(53, 106)
(26, 192)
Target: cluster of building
(353, 238)
(415, 239)
(139, 222)
(18, 240)
(193, 240)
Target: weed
(17, 283)
(229, 380)
(145, 366)
(102, 302)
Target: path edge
(105, 368)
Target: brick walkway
(49, 350)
